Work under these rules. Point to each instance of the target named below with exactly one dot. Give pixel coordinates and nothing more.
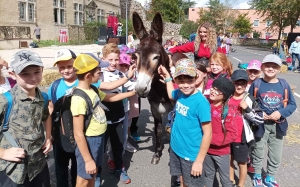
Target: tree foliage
(185, 5)
(187, 28)
(218, 14)
(169, 10)
(242, 24)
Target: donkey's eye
(156, 57)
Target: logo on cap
(24, 56)
(60, 53)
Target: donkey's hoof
(155, 160)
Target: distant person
(220, 38)
(192, 36)
(130, 39)
(37, 32)
(274, 47)
(294, 51)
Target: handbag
(171, 116)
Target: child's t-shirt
(63, 88)
(238, 118)
(186, 134)
(5, 87)
(79, 106)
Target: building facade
(259, 23)
(54, 15)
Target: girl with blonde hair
(203, 47)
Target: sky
(239, 4)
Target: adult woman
(204, 45)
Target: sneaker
(135, 137)
(270, 182)
(111, 166)
(257, 181)
(177, 182)
(130, 148)
(250, 168)
(123, 176)
(97, 182)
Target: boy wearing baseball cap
(247, 114)
(253, 71)
(271, 96)
(90, 145)
(23, 145)
(191, 131)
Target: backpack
(62, 118)
(10, 102)
(284, 85)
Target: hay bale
(49, 76)
(284, 69)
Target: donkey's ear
(138, 26)
(157, 27)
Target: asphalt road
(143, 173)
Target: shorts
(180, 166)
(239, 151)
(96, 148)
(42, 179)
(38, 36)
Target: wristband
(168, 79)
(127, 77)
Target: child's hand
(162, 71)
(90, 167)
(266, 117)
(47, 146)
(197, 169)
(131, 71)
(243, 105)
(13, 154)
(275, 116)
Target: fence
(15, 32)
(81, 33)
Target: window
(26, 10)
(298, 23)
(78, 14)
(100, 15)
(255, 23)
(59, 8)
(268, 23)
(193, 9)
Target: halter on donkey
(150, 55)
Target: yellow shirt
(98, 123)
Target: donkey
(150, 55)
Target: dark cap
(225, 86)
(239, 75)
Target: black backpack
(62, 118)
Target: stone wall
(134, 6)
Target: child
(90, 145)
(222, 47)
(247, 112)
(224, 131)
(115, 115)
(220, 66)
(189, 142)
(64, 60)
(26, 165)
(270, 96)
(201, 76)
(274, 47)
(6, 83)
(253, 71)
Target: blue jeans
(294, 56)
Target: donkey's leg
(158, 138)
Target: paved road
(143, 173)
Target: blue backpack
(10, 102)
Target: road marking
(236, 59)
(296, 94)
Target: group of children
(235, 118)
(221, 117)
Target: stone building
(53, 15)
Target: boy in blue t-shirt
(191, 132)
(270, 96)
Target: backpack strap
(100, 103)
(89, 110)
(257, 84)
(285, 86)
(46, 99)
(54, 89)
(9, 98)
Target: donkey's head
(150, 53)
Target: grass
(48, 43)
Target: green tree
(185, 5)
(242, 24)
(171, 14)
(187, 28)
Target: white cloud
(201, 3)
